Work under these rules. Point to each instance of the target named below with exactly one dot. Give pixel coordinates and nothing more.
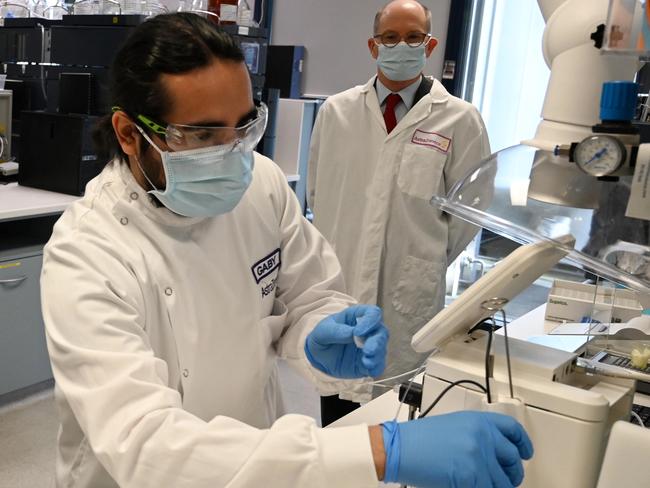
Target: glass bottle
(225, 9)
(244, 14)
(39, 7)
(131, 7)
(199, 7)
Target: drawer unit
(23, 355)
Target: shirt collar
(407, 94)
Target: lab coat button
(168, 291)
(134, 196)
(124, 221)
(186, 373)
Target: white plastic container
(569, 301)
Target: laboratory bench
(27, 216)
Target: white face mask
(203, 182)
(401, 62)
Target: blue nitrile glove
(331, 348)
(462, 449)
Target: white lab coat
(370, 195)
(163, 333)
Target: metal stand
(496, 305)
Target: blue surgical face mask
(203, 182)
(401, 62)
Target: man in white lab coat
(169, 290)
(379, 153)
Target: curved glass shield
(530, 195)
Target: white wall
(335, 32)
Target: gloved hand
(462, 449)
(330, 347)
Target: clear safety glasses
(179, 137)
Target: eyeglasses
(180, 137)
(392, 39)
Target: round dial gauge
(600, 155)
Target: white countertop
(292, 178)
(18, 201)
(379, 410)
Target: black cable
(487, 363)
(489, 328)
(449, 387)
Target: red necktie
(389, 114)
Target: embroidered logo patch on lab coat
(266, 266)
(431, 139)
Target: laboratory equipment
(6, 109)
(507, 195)
(87, 7)
(567, 412)
(200, 7)
(131, 7)
(15, 9)
(580, 302)
(506, 280)
(225, 10)
(284, 70)
(42, 137)
(151, 8)
(245, 14)
(38, 7)
(8, 168)
(600, 155)
(583, 173)
(627, 446)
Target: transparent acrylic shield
(596, 295)
(530, 195)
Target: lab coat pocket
(272, 326)
(415, 293)
(421, 171)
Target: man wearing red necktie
(379, 153)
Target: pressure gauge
(600, 155)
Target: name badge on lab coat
(431, 139)
(265, 266)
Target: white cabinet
(24, 361)
(23, 356)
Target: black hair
(166, 44)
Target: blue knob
(618, 100)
